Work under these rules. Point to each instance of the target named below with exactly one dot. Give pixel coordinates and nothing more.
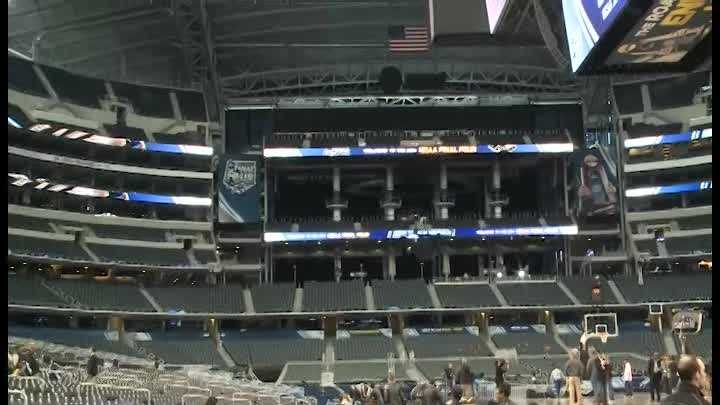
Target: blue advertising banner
(239, 185)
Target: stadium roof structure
(246, 48)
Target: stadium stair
(616, 292)
(150, 299)
(498, 295)
(60, 294)
(248, 301)
(369, 298)
(567, 292)
(399, 345)
(90, 253)
(223, 353)
(434, 296)
(297, 303)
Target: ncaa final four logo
(240, 175)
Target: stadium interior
(267, 202)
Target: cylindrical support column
(480, 265)
(497, 208)
(392, 269)
(443, 189)
(337, 262)
(337, 217)
(480, 319)
(446, 265)
(389, 188)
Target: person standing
(465, 379)
(556, 378)
(449, 375)
(654, 372)
(93, 365)
(574, 370)
(502, 395)
(693, 380)
(608, 377)
(501, 368)
(627, 378)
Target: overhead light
(499, 274)
(521, 273)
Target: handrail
(22, 394)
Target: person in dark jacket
(465, 378)
(93, 364)
(449, 375)
(501, 367)
(654, 372)
(693, 383)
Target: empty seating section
(273, 298)
(81, 338)
(129, 233)
(76, 89)
(366, 371)
(447, 345)
(30, 291)
(582, 289)
(40, 247)
(97, 295)
(219, 299)
(633, 340)
(302, 372)
(31, 223)
(273, 351)
(690, 245)
(205, 256)
(192, 105)
(662, 288)
(140, 255)
(182, 349)
(401, 294)
(183, 138)
(701, 343)
(533, 294)
(22, 78)
(363, 348)
(528, 343)
(466, 295)
(145, 100)
(329, 296)
(646, 246)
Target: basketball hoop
(603, 337)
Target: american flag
(408, 39)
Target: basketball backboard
(656, 309)
(687, 322)
(600, 323)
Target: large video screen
(665, 34)
(586, 21)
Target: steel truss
(193, 26)
(354, 79)
(370, 101)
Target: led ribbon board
(21, 180)
(393, 234)
(417, 150)
(683, 137)
(676, 188)
(59, 131)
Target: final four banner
(239, 184)
(596, 183)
